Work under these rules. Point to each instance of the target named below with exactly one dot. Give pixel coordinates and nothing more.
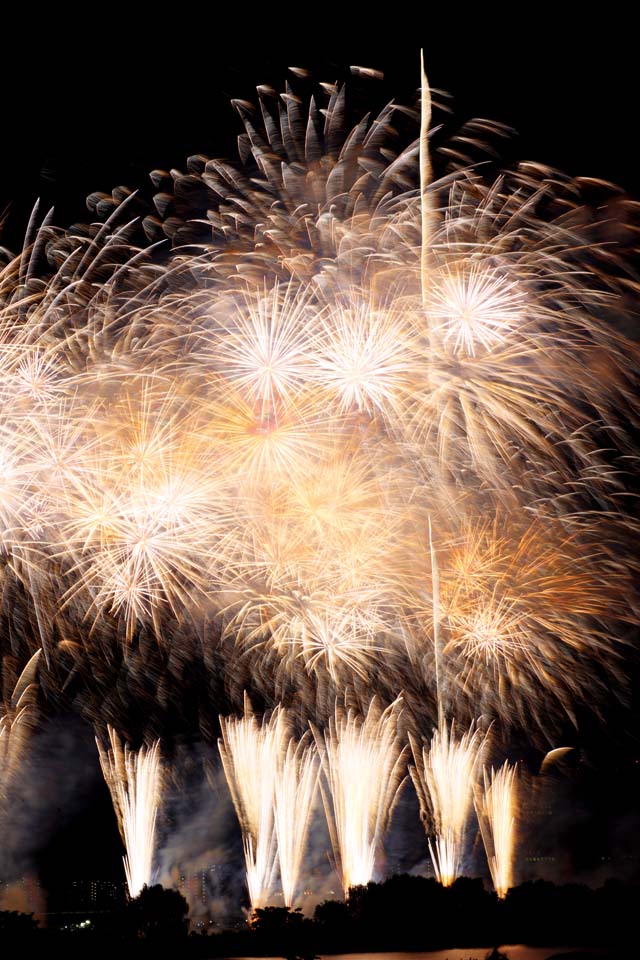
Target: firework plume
(496, 806)
(134, 778)
(363, 767)
(443, 774)
(251, 752)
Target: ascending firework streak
(134, 778)
(362, 762)
(444, 775)
(251, 752)
(496, 808)
(295, 789)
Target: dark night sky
(105, 108)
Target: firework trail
(363, 765)
(295, 789)
(496, 807)
(252, 752)
(443, 775)
(134, 778)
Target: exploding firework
(134, 778)
(364, 427)
(363, 766)
(496, 807)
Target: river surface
(515, 951)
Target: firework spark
(443, 774)
(363, 765)
(496, 808)
(134, 778)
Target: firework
(251, 752)
(134, 778)
(496, 809)
(295, 788)
(443, 774)
(17, 719)
(364, 428)
(363, 766)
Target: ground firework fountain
(443, 774)
(295, 789)
(134, 778)
(363, 766)
(496, 806)
(251, 752)
(15, 722)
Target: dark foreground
(402, 914)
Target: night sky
(89, 114)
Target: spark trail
(363, 764)
(496, 806)
(134, 778)
(443, 774)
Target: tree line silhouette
(403, 913)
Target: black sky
(90, 108)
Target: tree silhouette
(158, 914)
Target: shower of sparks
(363, 765)
(295, 789)
(496, 807)
(134, 778)
(251, 752)
(444, 774)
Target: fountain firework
(295, 789)
(251, 753)
(496, 808)
(17, 719)
(363, 764)
(443, 775)
(134, 778)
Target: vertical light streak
(134, 778)
(496, 809)
(426, 174)
(362, 761)
(443, 775)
